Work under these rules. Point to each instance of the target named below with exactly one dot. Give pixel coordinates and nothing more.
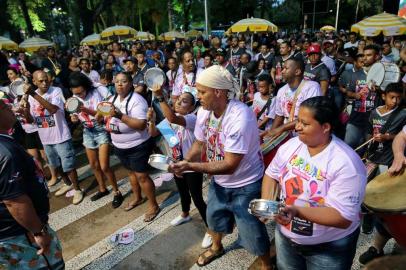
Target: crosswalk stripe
(71, 213)
(105, 255)
(84, 172)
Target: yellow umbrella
(35, 43)
(327, 28)
(119, 32)
(92, 40)
(252, 25)
(7, 44)
(172, 35)
(193, 33)
(386, 23)
(144, 36)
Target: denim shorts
(227, 206)
(136, 159)
(94, 137)
(20, 253)
(334, 255)
(61, 153)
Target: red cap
(314, 48)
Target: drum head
(104, 108)
(386, 194)
(376, 74)
(154, 76)
(72, 105)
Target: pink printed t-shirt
(236, 133)
(335, 177)
(123, 136)
(52, 128)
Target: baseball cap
(132, 59)
(221, 51)
(314, 48)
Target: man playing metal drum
(229, 131)
(288, 100)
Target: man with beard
(234, 53)
(131, 66)
(221, 60)
(285, 52)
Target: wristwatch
(43, 231)
(160, 99)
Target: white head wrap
(218, 77)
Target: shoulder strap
(266, 106)
(292, 110)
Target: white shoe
(65, 188)
(207, 241)
(77, 197)
(179, 220)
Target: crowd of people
(223, 99)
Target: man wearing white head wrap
(226, 133)
(218, 77)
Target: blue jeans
(334, 255)
(227, 206)
(354, 136)
(94, 137)
(61, 153)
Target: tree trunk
(187, 6)
(170, 14)
(27, 19)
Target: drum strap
(266, 106)
(293, 108)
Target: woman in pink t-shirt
(133, 145)
(322, 182)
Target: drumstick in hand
(365, 143)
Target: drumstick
(362, 145)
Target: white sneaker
(65, 188)
(179, 220)
(77, 197)
(207, 241)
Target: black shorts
(32, 141)
(136, 159)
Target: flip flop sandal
(151, 217)
(208, 259)
(132, 206)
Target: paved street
(85, 232)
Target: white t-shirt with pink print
(335, 177)
(91, 101)
(52, 128)
(234, 132)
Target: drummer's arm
(51, 108)
(326, 216)
(170, 114)
(195, 152)
(270, 188)
(134, 123)
(89, 111)
(223, 167)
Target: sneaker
(53, 182)
(77, 197)
(65, 188)
(179, 220)
(117, 200)
(369, 255)
(207, 241)
(99, 195)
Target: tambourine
(264, 208)
(160, 162)
(154, 76)
(72, 105)
(17, 87)
(104, 108)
